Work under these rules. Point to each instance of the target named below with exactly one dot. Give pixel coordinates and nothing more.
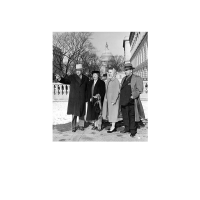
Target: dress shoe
(94, 128)
(124, 131)
(73, 130)
(81, 128)
(132, 134)
(112, 130)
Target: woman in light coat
(111, 99)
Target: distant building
(136, 52)
(139, 53)
(105, 59)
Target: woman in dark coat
(95, 96)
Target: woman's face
(95, 76)
(110, 73)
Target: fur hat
(95, 72)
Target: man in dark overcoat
(77, 95)
(131, 106)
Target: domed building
(105, 59)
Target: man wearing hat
(131, 106)
(77, 95)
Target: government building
(105, 60)
(136, 52)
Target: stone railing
(144, 95)
(60, 92)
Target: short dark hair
(104, 75)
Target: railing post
(60, 92)
(64, 90)
(56, 89)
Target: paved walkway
(62, 132)
(62, 128)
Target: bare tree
(73, 46)
(90, 62)
(57, 62)
(117, 62)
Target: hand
(58, 77)
(131, 97)
(113, 104)
(91, 100)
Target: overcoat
(77, 94)
(137, 89)
(99, 88)
(110, 112)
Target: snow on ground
(60, 112)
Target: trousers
(128, 114)
(74, 119)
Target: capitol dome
(106, 55)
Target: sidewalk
(62, 132)
(62, 128)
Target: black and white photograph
(100, 86)
(82, 116)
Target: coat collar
(83, 79)
(80, 81)
(126, 82)
(96, 85)
(77, 78)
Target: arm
(66, 80)
(116, 92)
(138, 89)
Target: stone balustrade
(60, 92)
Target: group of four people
(94, 100)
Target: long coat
(77, 94)
(110, 112)
(136, 90)
(99, 88)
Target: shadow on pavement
(106, 125)
(62, 127)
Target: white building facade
(136, 52)
(139, 53)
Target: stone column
(127, 50)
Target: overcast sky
(113, 39)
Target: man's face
(78, 72)
(128, 72)
(95, 76)
(110, 73)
